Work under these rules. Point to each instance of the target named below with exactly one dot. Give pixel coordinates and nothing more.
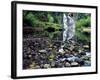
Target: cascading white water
(69, 29)
(65, 27)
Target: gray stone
(60, 64)
(71, 47)
(67, 64)
(46, 65)
(87, 63)
(88, 54)
(72, 59)
(37, 67)
(52, 64)
(85, 58)
(74, 64)
(62, 59)
(86, 46)
(42, 51)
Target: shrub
(82, 24)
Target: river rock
(46, 65)
(85, 58)
(62, 59)
(77, 59)
(88, 54)
(66, 55)
(72, 59)
(29, 56)
(49, 49)
(74, 64)
(52, 64)
(42, 51)
(67, 64)
(71, 48)
(80, 50)
(86, 46)
(87, 63)
(61, 50)
(32, 66)
(37, 67)
(60, 64)
(28, 50)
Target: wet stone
(46, 65)
(72, 59)
(60, 64)
(87, 63)
(61, 51)
(85, 58)
(37, 67)
(42, 51)
(86, 46)
(29, 56)
(74, 64)
(62, 59)
(67, 64)
(52, 64)
(71, 48)
(88, 54)
(66, 55)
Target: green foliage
(50, 18)
(80, 25)
(83, 37)
(31, 19)
(51, 23)
(85, 22)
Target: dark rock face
(43, 53)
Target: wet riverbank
(44, 53)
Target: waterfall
(69, 29)
(65, 27)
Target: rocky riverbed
(42, 53)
